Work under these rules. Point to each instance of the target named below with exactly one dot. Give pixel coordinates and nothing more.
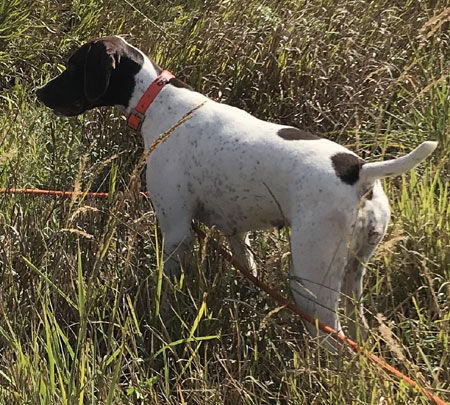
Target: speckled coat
(226, 168)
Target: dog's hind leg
(319, 245)
(240, 249)
(352, 296)
(369, 228)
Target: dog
(226, 168)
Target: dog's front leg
(177, 240)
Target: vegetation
(86, 316)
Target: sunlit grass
(86, 314)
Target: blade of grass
(115, 376)
(50, 282)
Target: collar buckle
(135, 119)
(137, 114)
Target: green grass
(86, 316)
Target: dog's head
(100, 73)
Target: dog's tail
(377, 170)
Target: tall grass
(86, 315)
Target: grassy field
(85, 314)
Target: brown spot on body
(347, 167)
(295, 134)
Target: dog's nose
(43, 95)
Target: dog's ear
(100, 61)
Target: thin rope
(274, 294)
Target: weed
(86, 315)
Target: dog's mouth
(76, 108)
(61, 106)
(63, 112)
(58, 113)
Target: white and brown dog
(227, 168)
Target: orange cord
(274, 294)
(324, 328)
(49, 192)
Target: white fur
(227, 168)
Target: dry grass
(86, 315)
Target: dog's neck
(173, 101)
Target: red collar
(137, 114)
